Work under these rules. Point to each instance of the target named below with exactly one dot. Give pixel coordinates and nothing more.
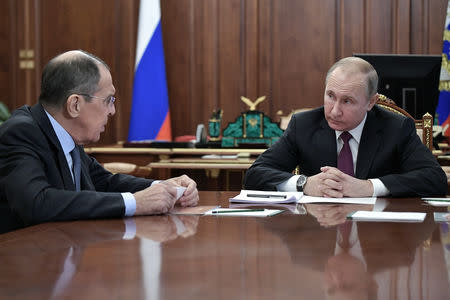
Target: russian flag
(150, 118)
(443, 107)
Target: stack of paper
(386, 216)
(243, 212)
(264, 197)
(269, 197)
(294, 208)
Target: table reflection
(59, 255)
(380, 260)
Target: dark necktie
(344, 230)
(75, 153)
(345, 159)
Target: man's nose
(112, 110)
(336, 110)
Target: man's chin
(336, 126)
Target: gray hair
(68, 73)
(358, 65)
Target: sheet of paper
(311, 199)
(264, 197)
(437, 201)
(242, 212)
(180, 191)
(294, 208)
(387, 216)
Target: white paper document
(264, 197)
(243, 212)
(387, 216)
(180, 191)
(311, 199)
(294, 208)
(437, 201)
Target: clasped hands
(331, 182)
(160, 198)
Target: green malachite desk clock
(251, 127)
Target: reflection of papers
(295, 208)
(387, 216)
(437, 201)
(265, 197)
(194, 210)
(311, 199)
(442, 217)
(233, 212)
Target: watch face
(301, 182)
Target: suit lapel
(41, 118)
(326, 140)
(368, 146)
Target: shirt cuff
(130, 229)
(155, 182)
(130, 204)
(379, 189)
(289, 185)
(179, 225)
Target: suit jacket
(35, 181)
(389, 149)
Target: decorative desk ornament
(251, 128)
(214, 125)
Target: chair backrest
(424, 126)
(128, 168)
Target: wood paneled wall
(216, 51)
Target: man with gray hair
(349, 147)
(45, 175)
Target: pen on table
(236, 210)
(266, 196)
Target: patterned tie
(75, 153)
(345, 159)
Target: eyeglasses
(108, 100)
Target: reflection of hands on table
(164, 228)
(190, 223)
(156, 228)
(333, 214)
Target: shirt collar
(64, 137)
(355, 132)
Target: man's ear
(372, 101)
(73, 105)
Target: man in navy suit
(387, 156)
(38, 160)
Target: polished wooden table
(288, 256)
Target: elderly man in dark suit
(381, 152)
(45, 174)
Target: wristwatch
(301, 181)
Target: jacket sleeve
(31, 181)
(419, 174)
(276, 164)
